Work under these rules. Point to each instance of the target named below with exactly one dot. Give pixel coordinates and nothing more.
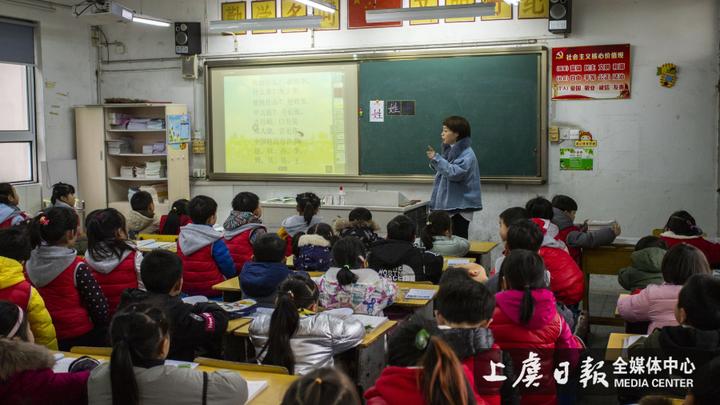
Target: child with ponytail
(73, 297)
(526, 319)
(682, 228)
(326, 386)
(136, 373)
(26, 369)
(296, 337)
(10, 214)
(114, 261)
(437, 236)
(422, 369)
(308, 205)
(351, 284)
(313, 249)
(178, 217)
(63, 195)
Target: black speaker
(187, 38)
(560, 21)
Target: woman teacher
(457, 179)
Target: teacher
(457, 179)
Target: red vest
(114, 283)
(567, 281)
(62, 300)
(7, 223)
(200, 272)
(576, 253)
(18, 294)
(240, 248)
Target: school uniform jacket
(206, 259)
(116, 274)
(240, 235)
(711, 249)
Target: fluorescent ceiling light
(319, 4)
(426, 13)
(145, 19)
(265, 24)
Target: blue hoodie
(260, 281)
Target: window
(17, 102)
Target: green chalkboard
(500, 94)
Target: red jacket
(200, 272)
(7, 223)
(26, 377)
(566, 279)
(575, 253)
(400, 386)
(240, 247)
(62, 300)
(711, 249)
(184, 220)
(115, 276)
(545, 332)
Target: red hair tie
(44, 220)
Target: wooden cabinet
(100, 181)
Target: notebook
(419, 294)
(255, 388)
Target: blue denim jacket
(457, 179)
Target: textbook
(239, 309)
(419, 294)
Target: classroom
(359, 201)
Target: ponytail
(173, 221)
(101, 227)
(443, 379)
(438, 223)
(137, 333)
(307, 205)
(527, 306)
(295, 293)
(50, 226)
(60, 190)
(345, 276)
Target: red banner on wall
(591, 72)
(357, 8)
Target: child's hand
(616, 229)
(475, 271)
(430, 152)
(584, 226)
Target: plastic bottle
(341, 196)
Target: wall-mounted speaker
(187, 38)
(560, 21)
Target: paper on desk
(419, 294)
(370, 322)
(255, 388)
(62, 365)
(181, 364)
(461, 260)
(630, 340)
(195, 299)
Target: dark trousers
(460, 226)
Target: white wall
(657, 151)
(66, 77)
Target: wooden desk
(404, 287)
(604, 260)
(237, 323)
(615, 345)
(481, 251)
(272, 395)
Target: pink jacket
(656, 304)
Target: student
(136, 373)
(575, 237)
(657, 302)
(142, 217)
(327, 386)
(261, 277)
(242, 227)
(205, 256)
(698, 335)
(681, 228)
(526, 319)
(308, 205)
(463, 310)
(351, 285)
(63, 195)
(540, 207)
(398, 259)
(645, 266)
(298, 338)
(360, 225)
(313, 248)
(705, 390)
(178, 217)
(522, 234)
(566, 279)
(422, 369)
(195, 329)
(26, 369)
(507, 218)
(437, 236)
(73, 297)
(115, 262)
(10, 214)
(15, 248)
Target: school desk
(604, 260)
(369, 355)
(423, 307)
(615, 345)
(272, 395)
(481, 252)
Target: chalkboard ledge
(408, 179)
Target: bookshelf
(100, 181)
